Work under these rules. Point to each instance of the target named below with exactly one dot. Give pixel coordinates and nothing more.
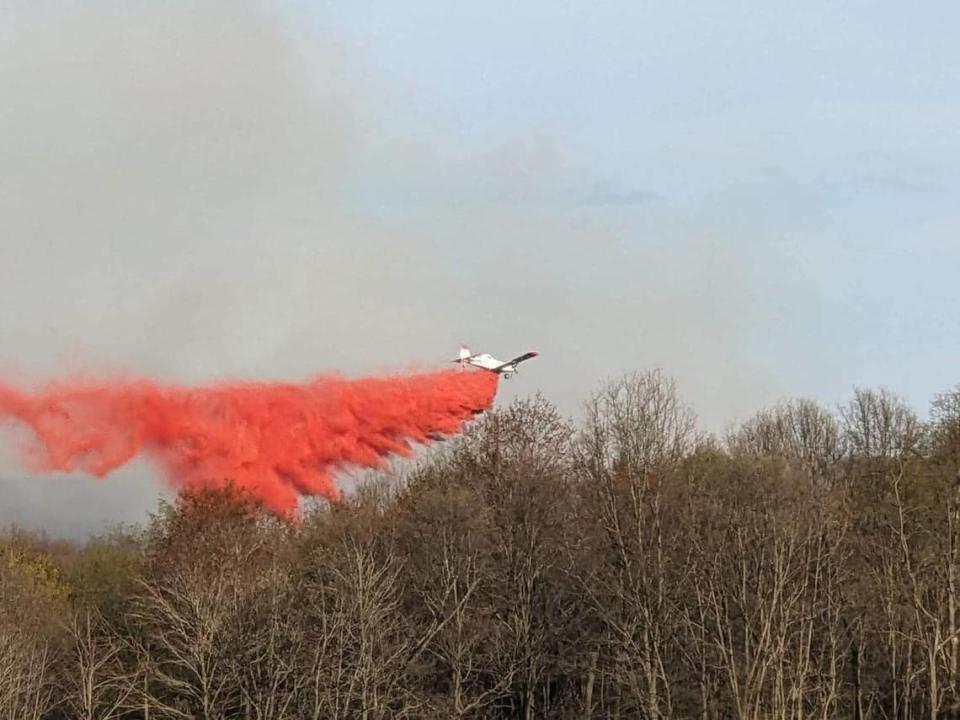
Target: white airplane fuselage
(486, 361)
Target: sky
(757, 198)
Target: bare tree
(800, 430)
(31, 596)
(446, 537)
(906, 518)
(767, 591)
(98, 685)
(637, 429)
(519, 459)
(878, 424)
(26, 690)
(211, 560)
(358, 646)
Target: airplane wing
(518, 359)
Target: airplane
(488, 362)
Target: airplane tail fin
(464, 355)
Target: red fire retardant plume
(279, 440)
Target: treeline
(803, 566)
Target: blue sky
(758, 198)
(817, 141)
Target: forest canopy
(625, 566)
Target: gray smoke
(192, 191)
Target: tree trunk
(588, 692)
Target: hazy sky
(760, 198)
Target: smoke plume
(280, 441)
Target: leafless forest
(803, 566)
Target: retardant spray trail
(279, 440)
